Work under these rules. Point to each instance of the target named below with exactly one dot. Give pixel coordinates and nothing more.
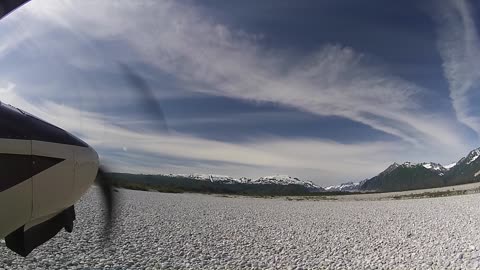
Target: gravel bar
(192, 231)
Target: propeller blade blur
(106, 187)
(146, 95)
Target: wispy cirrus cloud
(459, 47)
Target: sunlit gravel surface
(189, 231)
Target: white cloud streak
(459, 47)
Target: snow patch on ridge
(427, 165)
(409, 164)
(350, 186)
(434, 167)
(449, 166)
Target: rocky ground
(189, 231)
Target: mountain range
(408, 176)
(396, 177)
(266, 180)
(210, 183)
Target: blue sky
(328, 91)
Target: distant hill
(408, 176)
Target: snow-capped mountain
(432, 166)
(273, 180)
(466, 169)
(406, 176)
(472, 156)
(390, 168)
(435, 167)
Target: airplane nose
(86, 168)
